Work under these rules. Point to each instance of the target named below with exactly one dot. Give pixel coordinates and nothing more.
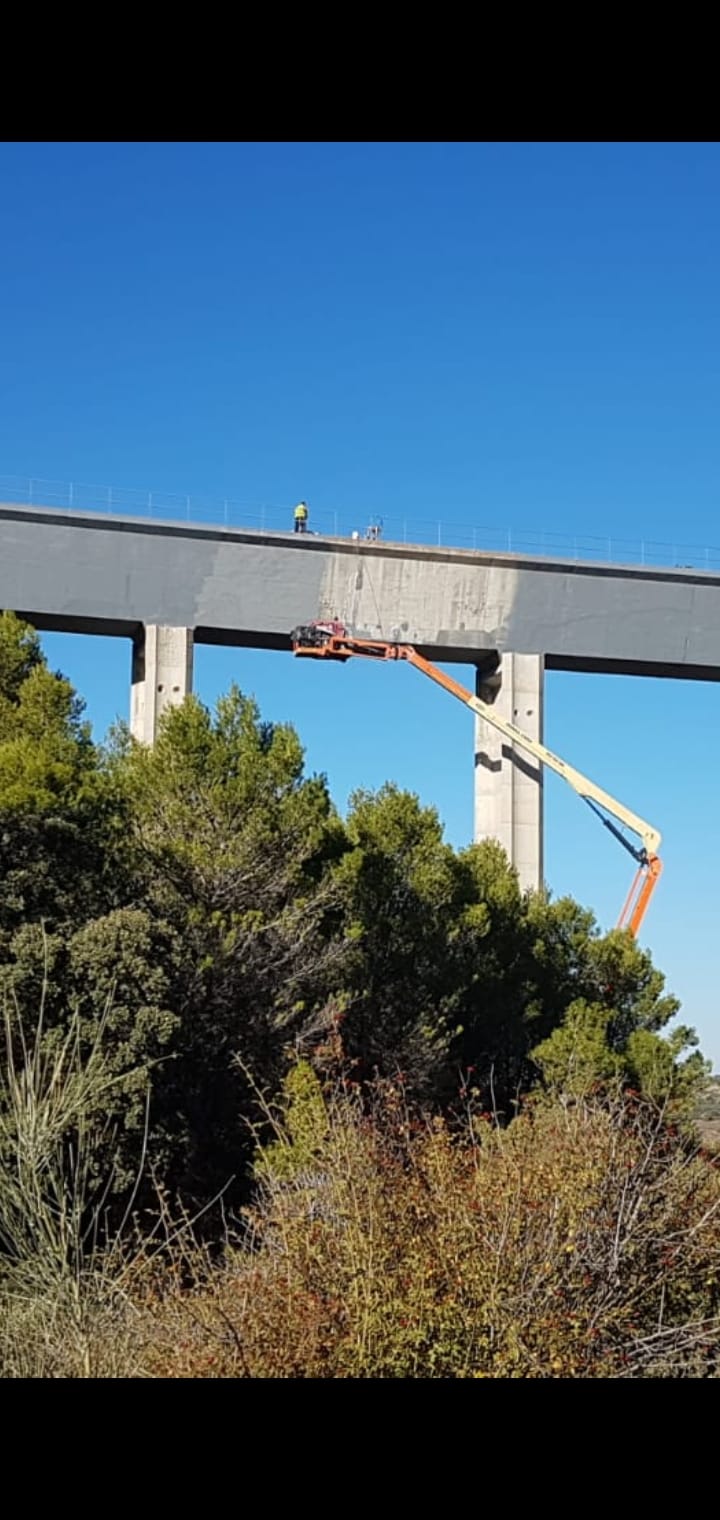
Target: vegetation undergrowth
(474, 1152)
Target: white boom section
(331, 640)
(651, 838)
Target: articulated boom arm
(320, 641)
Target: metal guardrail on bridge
(395, 528)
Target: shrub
(583, 1241)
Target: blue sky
(515, 334)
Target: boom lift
(330, 640)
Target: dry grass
(64, 1311)
(583, 1242)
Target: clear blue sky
(526, 334)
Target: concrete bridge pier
(508, 784)
(162, 672)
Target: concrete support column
(508, 783)
(162, 670)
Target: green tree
(583, 1055)
(456, 976)
(577, 1057)
(531, 966)
(401, 888)
(231, 845)
(111, 981)
(59, 819)
(20, 654)
(302, 1131)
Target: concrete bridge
(166, 586)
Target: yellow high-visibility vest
(301, 512)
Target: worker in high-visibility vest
(301, 517)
